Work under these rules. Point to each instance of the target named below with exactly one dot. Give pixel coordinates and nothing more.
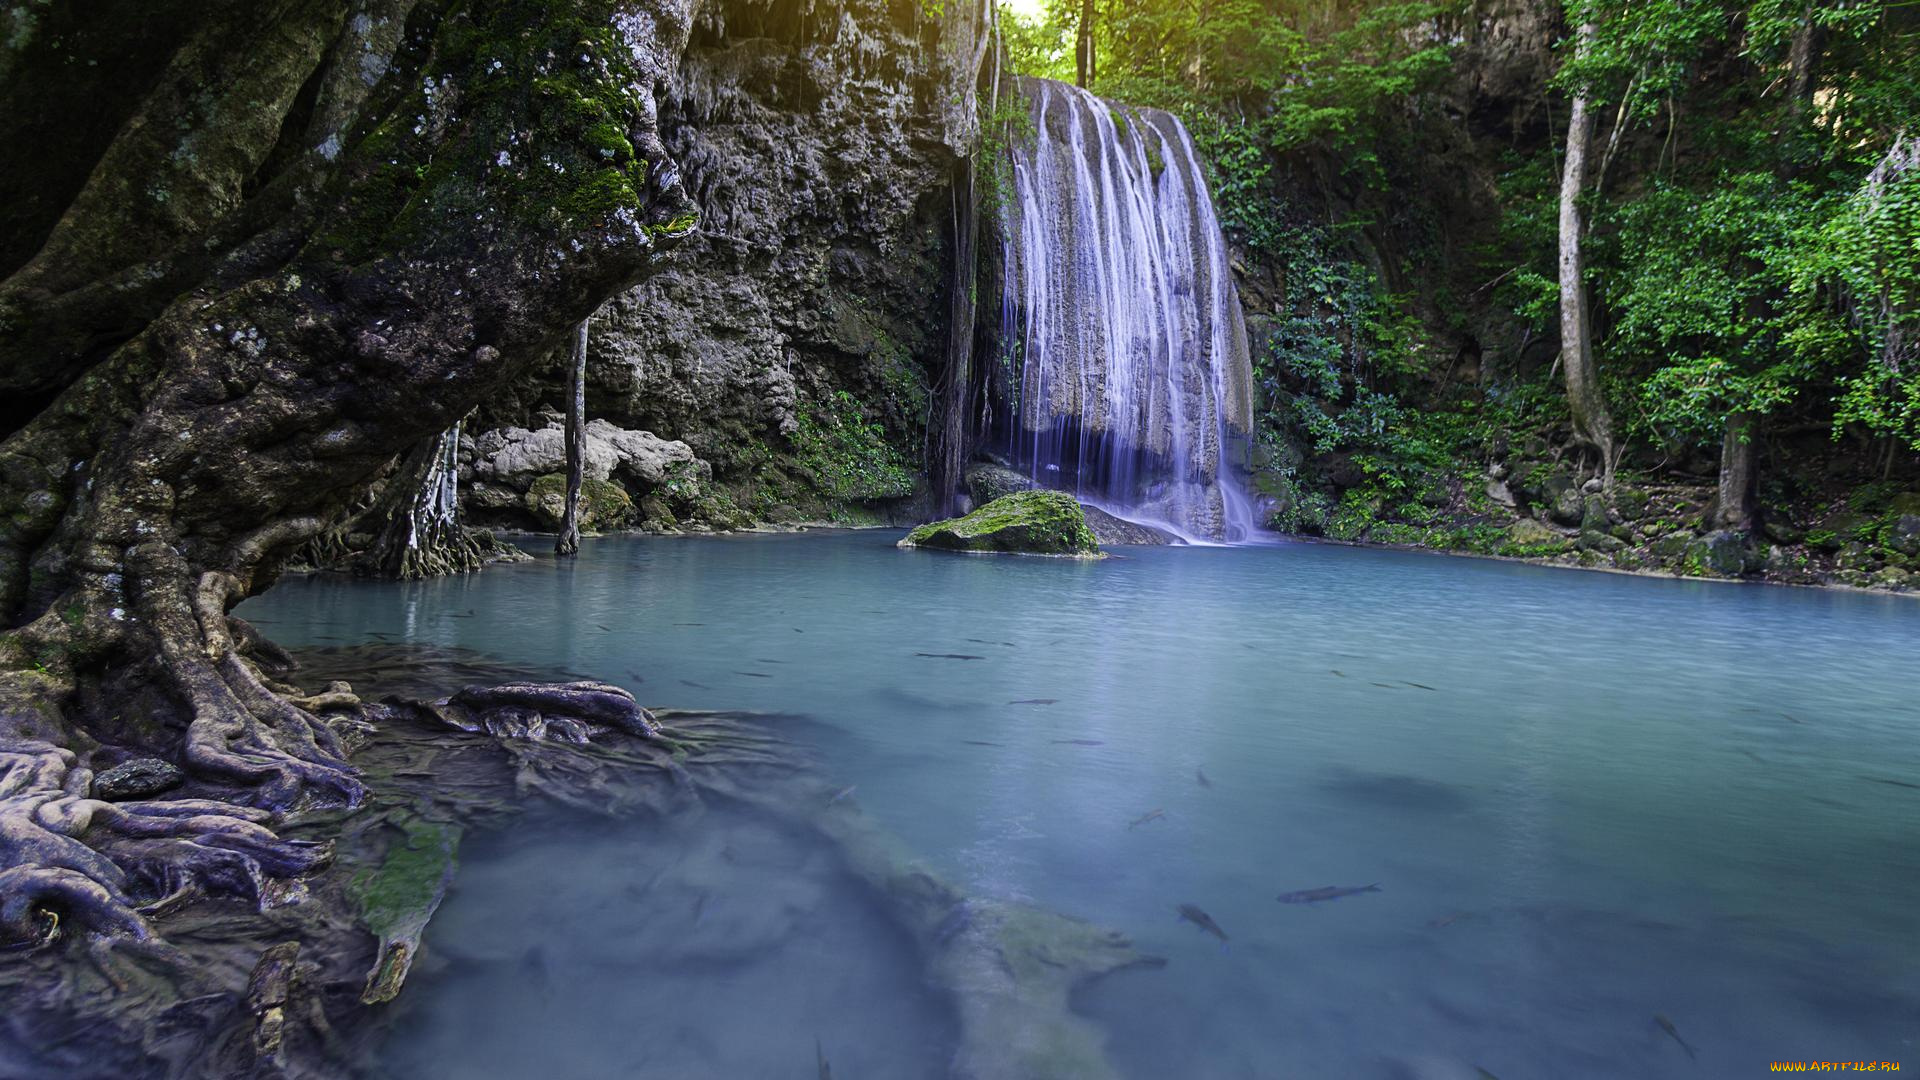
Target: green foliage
(1867, 253)
(846, 456)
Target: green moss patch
(1024, 523)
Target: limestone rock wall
(790, 345)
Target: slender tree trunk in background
(1083, 47)
(1737, 506)
(1737, 501)
(569, 540)
(1592, 425)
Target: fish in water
(1421, 686)
(841, 794)
(764, 660)
(1078, 742)
(826, 1071)
(981, 742)
(604, 626)
(1200, 775)
(1757, 759)
(1666, 1025)
(1447, 920)
(1036, 701)
(1325, 892)
(1338, 672)
(1895, 783)
(695, 685)
(533, 963)
(754, 674)
(1384, 685)
(700, 908)
(797, 630)
(984, 641)
(1484, 1074)
(1151, 815)
(636, 676)
(689, 624)
(1192, 913)
(948, 656)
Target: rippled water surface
(1587, 800)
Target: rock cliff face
(789, 345)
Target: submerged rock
(1024, 523)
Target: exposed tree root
(70, 863)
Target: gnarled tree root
(78, 865)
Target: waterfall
(1120, 316)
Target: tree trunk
(1737, 504)
(568, 543)
(1592, 425)
(421, 533)
(1083, 61)
(322, 232)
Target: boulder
(1893, 577)
(1568, 506)
(1535, 538)
(1109, 529)
(1629, 503)
(516, 456)
(1024, 523)
(986, 482)
(1596, 540)
(1719, 554)
(140, 778)
(603, 505)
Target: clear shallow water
(1620, 797)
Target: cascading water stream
(1134, 384)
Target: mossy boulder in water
(1025, 523)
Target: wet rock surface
(137, 779)
(1109, 529)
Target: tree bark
(1592, 424)
(568, 542)
(1083, 57)
(1737, 505)
(330, 226)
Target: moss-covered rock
(1024, 523)
(1718, 554)
(1529, 538)
(603, 504)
